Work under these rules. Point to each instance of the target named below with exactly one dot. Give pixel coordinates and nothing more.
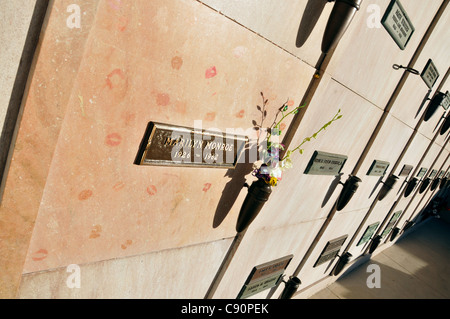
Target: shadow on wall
(231, 191)
(311, 15)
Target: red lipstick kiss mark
(113, 139)
(84, 195)
(177, 62)
(240, 114)
(206, 187)
(110, 78)
(151, 190)
(163, 99)
(41, 254)
(211, 72)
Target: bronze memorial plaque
(331, 250)
(422, 172)
(378, 168)
(322, 163)
(391, 223)
(406, 170)
(264, 276)
(171, 145)
(397, 23)
(370, 230)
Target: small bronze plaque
(269, 268)
(172, 145)
(433, 173)
(430, 74)
(322, 163)
(422, 172)
(330, 250)
(406, 170)
(397, 24)
(368, 233)
(264, 276)
(391, 223)
(378, 168)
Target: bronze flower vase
(257, 196)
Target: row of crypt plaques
(264, 276)
(322, 163)
(399, 26)
(172, 145)
(331, 250)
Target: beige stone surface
(60, 52)
(170, 274)
(15, 17)
(96, 204)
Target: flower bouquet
(270, 172)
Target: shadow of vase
(231, 191)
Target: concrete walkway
(416, 267)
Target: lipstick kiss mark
(206, 187)
(211, 72)
(41, 254)
(126, 244)
(118, 186)
(163, 99)
(84, 195)
(95, 232)
(210, 117)
(110, 78)
(151, 190)
(177, 62)
(240, 114)
(113, 139)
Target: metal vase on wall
(343, 261)
(410, 186)
(424, 185)
(434, 105)
(257, 196)
(387, 186)
(349, 189)
(375, 242)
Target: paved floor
(416, 267)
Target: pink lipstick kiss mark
(211, 72)
(210, 117)
(206, 187)
(113, 139)
(110, 77)
(41, 254)
(118, 186)
(240, 114)
(84, 195)
(151, 190)
(163, 99)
